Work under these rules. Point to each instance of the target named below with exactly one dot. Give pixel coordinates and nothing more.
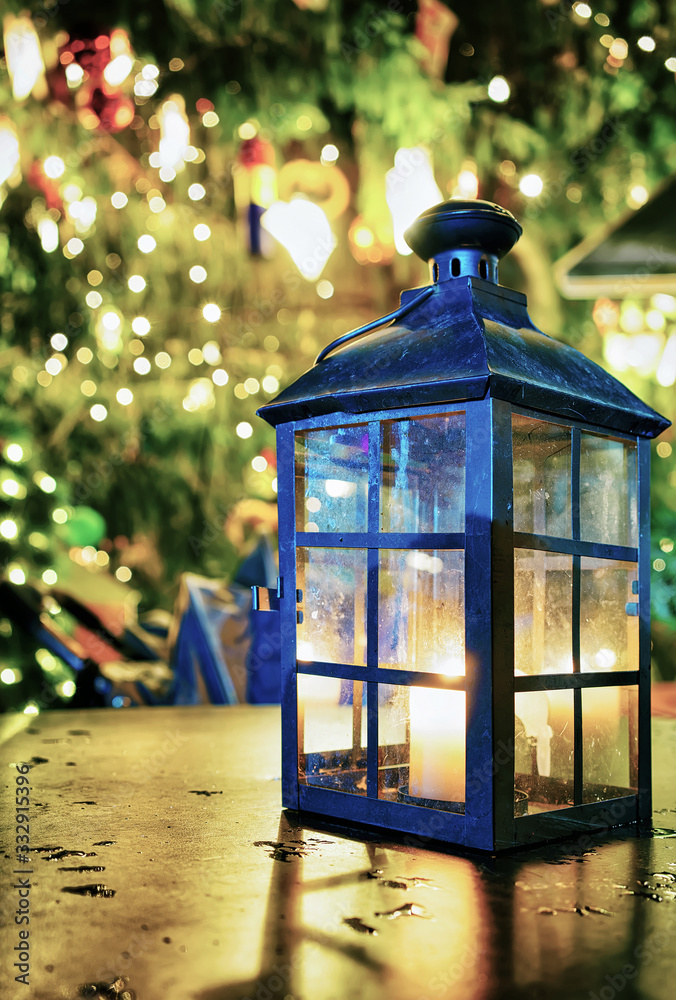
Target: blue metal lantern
(464, 566)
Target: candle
(437, 721)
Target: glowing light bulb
(59, 341)
(201, 232)
(174, 133)
(124, 396)
(74, 74)
(17, 575)
(531, 185)
(196, 192)
(303, 229)
(140, 326)
(146, 243)
(410, 189)
(329, 154)
(244, 429)
(498, 89)
(53, 366)
(117, 71)
(211, 312)
(111, 320)
(324, 289)
(211, 353)
(582, 10)
(141, 366)
(14, 452)
(219, 376)
(136, 283)
(54, 167)
(270, 384)
(84, 355)
(118, 199)
(9, 151)
(8, 529)
(49, 577)
(197, 274)
(123, 574)
(48, 231)
(74, 246)
(98, 412)
(646, 43)
(24, 56)
(163, 360)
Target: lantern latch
(632, 609)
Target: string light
(244, 430)
(140, 326)
(582, 10)
(48, 231)
(59, 516)
(136, 283)
(84, 355)
(646, 43)
(49, 577)
(211, 352)
(196, 192)
(93, 299)
(270, 384)
(124, 396)
(201, 232)
(141, 366)
(11, 488)
(59, 341)
(252, 385)
(24, 56)
(123, 574)
(9, 529)
(54, 167)
(45, 482)
(74, 246)
(259, 464)
(98, 412)
(163, 360)
(197, 274)
(329, 154)
(53, 366)
(14, 452)
(118, 199)
(324, 289)
(211, 312)
(117, 71)
(146, 243)
(303, 228)
(671, 64)
(195, 356)
(17, 575)
(498, 88)
(531, 185)
(219, 376)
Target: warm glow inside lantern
(464, 566)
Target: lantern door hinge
(266, 598)
(632, 609)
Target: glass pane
(608, 635)
(423, 474)
(543, 597)
(332, 733)
(421, 756)
(608, 491)
(421, 610)
(543, 751)
(333, 582)
(332, 479)
(609, 742)
(541, 460)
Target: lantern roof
(461, 338)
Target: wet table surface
(215, 893)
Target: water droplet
(376, 873)
(84, 868)
(89, 890)
(60, 855)
(640, 892)
(105, 843)
(547, 911)
(194, 791)
(666, 876)
(84, 802)
(391, 884)
(407, 910)
(79, 732)
(358, 925)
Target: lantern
(464, 566)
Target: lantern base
(520, 802)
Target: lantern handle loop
(403, 310)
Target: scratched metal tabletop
(162, 868)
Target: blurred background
(195, 197)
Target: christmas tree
(150, 304)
